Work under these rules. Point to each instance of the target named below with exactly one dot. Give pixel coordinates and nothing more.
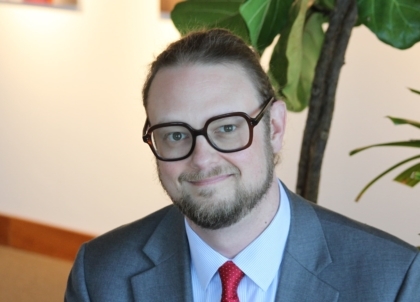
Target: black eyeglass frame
(252, 122)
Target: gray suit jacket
(328, 257)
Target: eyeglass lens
(227, 133)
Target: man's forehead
(180, 91)
(205, 67)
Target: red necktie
(230, 275)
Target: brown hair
(215, 46)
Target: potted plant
(411, 175)
(306, 61)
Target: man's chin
(207, 219)
(209, 210)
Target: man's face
(211, 188)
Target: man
(234, 233)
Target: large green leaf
(403, 121)
(395, 22)
(383, 174)
(195, 15)
(313, 39)
(292, 65)
(265, 19)
(410, 177)
(411, 143)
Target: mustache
(198, 176)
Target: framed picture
(56, 3)
(168, 5)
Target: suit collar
(306, 256)
(169, 277)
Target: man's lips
(210, 180)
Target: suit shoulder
(130, 236)
(362, 263)
(340, 228)
(119, 253)
(108, 262)
(345, 233)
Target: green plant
(410, 176)
(306, 61)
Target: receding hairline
(227, 63)
(214, 46)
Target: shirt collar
(260, 260)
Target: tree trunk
(321, 103)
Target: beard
(213, 212)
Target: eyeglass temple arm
(260, 115)
(146, 125)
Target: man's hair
(215, 46)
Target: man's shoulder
(349, 238)
(107, 264)
(357, 261)
(340, 228)
(131, 237)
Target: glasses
(230, 132)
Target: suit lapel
(305, 257)
(169, 278)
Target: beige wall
(71, 117)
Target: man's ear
(278, 124)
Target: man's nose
(203, 154)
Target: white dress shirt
(260, 261)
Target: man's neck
(231, 240)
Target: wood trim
(40, 238)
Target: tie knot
(230, 275)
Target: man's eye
(227, 128)
(176, 136)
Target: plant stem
(321, 103)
